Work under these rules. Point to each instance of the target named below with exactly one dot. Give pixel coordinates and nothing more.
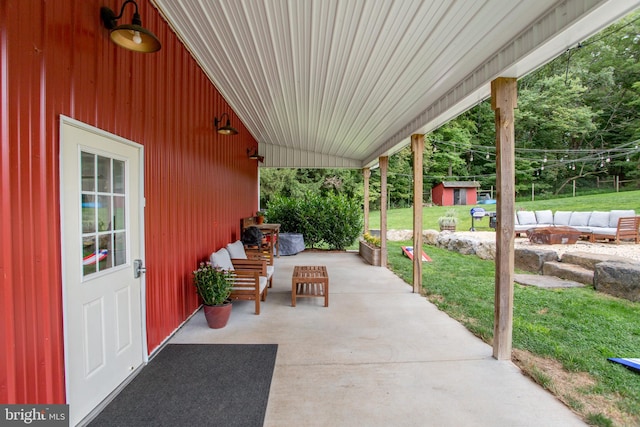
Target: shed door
(101, 204)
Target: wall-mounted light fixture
(130, 36)
(227, 129)
(253, 154)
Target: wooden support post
(503, 102)
(384, 167)
(366, 173)
(417, 147)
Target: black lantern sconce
(227, 129)
(253, 154)
(129, 36)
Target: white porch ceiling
(338, 83)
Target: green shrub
(332, 220)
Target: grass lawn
(561, 338)
(402, 219)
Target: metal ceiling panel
(335, 83)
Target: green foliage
(212, 284)
(372, 240)
(334, 220)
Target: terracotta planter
(217, 315)
(370, 253)
(260, 219)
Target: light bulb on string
(627, 157)
(487, 157)
(545, 158)
(471, 157)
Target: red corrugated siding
(57, 59)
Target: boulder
(573, 272)
(589, 260)
(620, 279)
(399, 235)
(486, 250)
(530, 259)
(430, 237)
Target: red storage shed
(449, 193)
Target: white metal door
(102, 234)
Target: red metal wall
(55, 59)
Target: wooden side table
(310, 281)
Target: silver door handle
(138, 268)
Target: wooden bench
(310, 281)
(627, 230)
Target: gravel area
(624, 249)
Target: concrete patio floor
(379, 355)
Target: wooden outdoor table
(273, 231)
(310, 281)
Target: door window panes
(104, 213)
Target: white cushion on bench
(236, 250)
(562, 218)
(599, 219)
(544, 217)
(617, 214)
(526, 218)
(579, 219)
(263, 284)
(221, 259)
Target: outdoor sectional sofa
(613, 225)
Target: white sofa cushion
(221, 259)
(614, 215)
(526, 218)
(236, 250)
(599, 219)
(263, 284)
(562, 218)
(579, 219)
(544, 217)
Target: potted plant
(369, 249)
(449, 220)
(214, 287)
(260, 217)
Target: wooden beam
(417, 147)
(503, 102)
(366, 173)
(384, 167)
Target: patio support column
(384, 167)
(417, 147)
(366, 173)
(503, 102)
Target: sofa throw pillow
(236, 250)
(221, 259)
(599, 219)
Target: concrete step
(589, 260)
(568, 271)
(548, 282)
